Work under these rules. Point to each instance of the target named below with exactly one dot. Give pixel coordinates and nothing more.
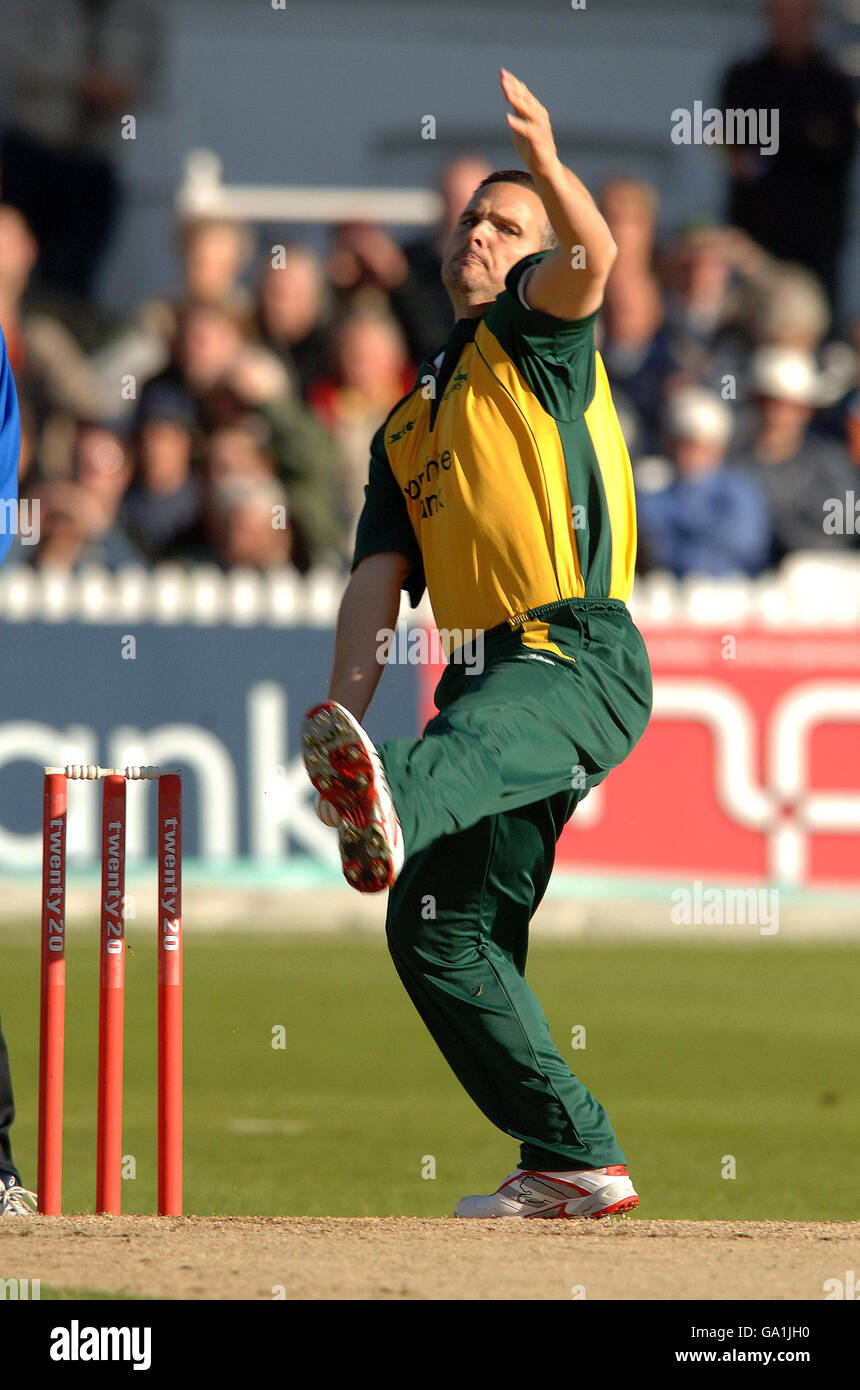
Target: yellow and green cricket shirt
(503, 475)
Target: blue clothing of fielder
(10, 444)
(10, 448)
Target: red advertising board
(750, 768)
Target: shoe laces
(16, 1200)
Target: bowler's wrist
(547, 166)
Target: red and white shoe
(347, 772)
(589, 1192)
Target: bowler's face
(499, 225)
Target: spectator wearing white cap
(799, 471)
(709, 518)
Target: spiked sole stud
(344, 772)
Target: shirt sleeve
(555, 355)
(10, 448)
(384, 522)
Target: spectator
(798, 470)
(249, 526)
(254, 380)
(256, 391)
(630, 207)
(54, 380)
(79, 518)
(164, 499)
(709, 518)
(245, 520)
(102, 467)
(206, 345)
(237, 456)
(74, 69)
(363, 266)
(214, 252)
(70, 521)
(75, 531)
(419, 300)
(714, 279)
(794, 201)
(371, 372)
(794, 312)
(366, 265)
(292, 312)
(238, 453)
(636, 351)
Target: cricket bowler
(502, 484)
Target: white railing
(170, 595)
(202, 194)
(808, 591)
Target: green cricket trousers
(482, 798)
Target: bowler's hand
(530, 126)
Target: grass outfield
(697, 1052)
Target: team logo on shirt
(393, 438)
(457, 381)
(417, 487)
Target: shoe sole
(614, 1209)
(558, 1213)
(341, 770)
(617, 1208)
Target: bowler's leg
(528, 727)
(457, 925)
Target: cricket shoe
(589, 1192)
(327, 813)
(347, 771)
(15, 1200)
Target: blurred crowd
(228, 420)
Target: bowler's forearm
(575, 217)
(371, 603)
